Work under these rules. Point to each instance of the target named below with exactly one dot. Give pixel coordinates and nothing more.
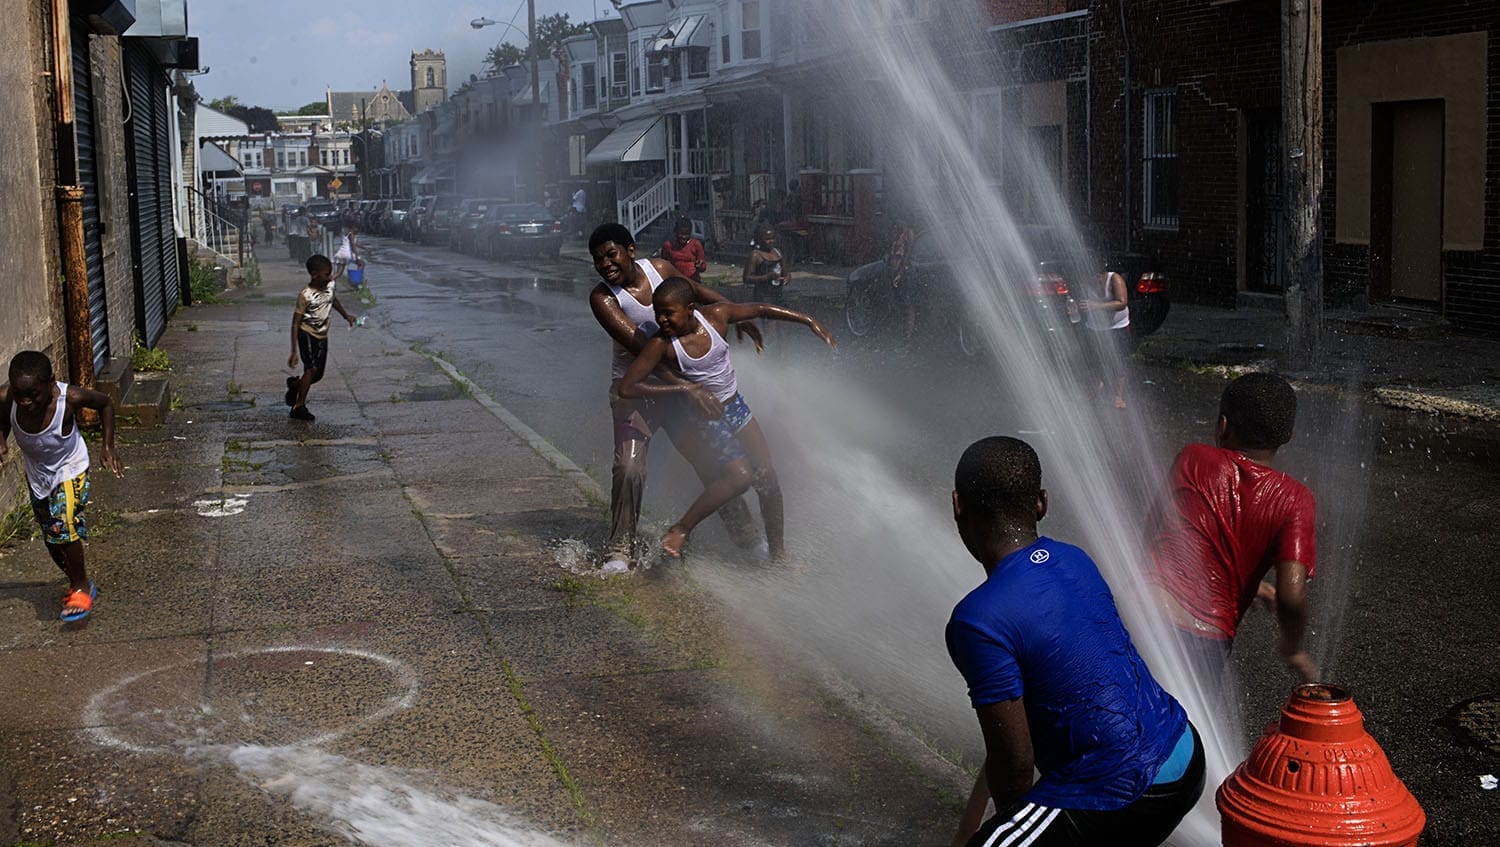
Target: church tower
(429, 79)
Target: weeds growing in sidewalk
(16, 525)
(203, 281)
(145, 359)
(252, 275)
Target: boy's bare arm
(87, 398)
(612, 318)
(1291, 618)
(737, 313)
(291, 362)
(4, 418)
(339, 307)
(653, 357)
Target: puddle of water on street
(380, 807)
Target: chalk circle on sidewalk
(270, 696)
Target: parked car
(395, 214)
(515, 229)
(437, 223)
(873, 307)
(324, 212)
(411, 225)
(466, 222)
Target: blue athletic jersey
(1044, 627)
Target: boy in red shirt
(1232, 519)
(684, 251)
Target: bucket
(356, 276)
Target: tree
(316, 107)
(551, 31)
(226, 104)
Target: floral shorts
(60, 514)
(720, 434)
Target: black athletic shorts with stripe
(1145, 823)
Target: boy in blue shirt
(1055, 681)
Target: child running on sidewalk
(310, 333)
(692, 341)
(44, 414)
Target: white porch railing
(645, 205)
(215, 233)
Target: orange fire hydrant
(1317, 779)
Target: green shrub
(203, 280)
(145, 358)
(252, 275)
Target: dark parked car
(439, 220)
(515, 229)
(324, 212)
(411, 224)
(466, 221)
(872, 306)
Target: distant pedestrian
(1231, 520)
(43, 412)
(310, 333)
(268, 225)
(579, 204)
(766, 271)
(349, 254)
(1107, 310)
(684, 251)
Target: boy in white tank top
(43, 414)
(692, 341)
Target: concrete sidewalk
(361, 625)
(1396, 357)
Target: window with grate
(1159, 179)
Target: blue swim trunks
(719, 435)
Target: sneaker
(302, 414)
(291, 390)
(614, 566)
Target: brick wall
(1221, 60)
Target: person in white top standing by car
(1107, 310)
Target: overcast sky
(282, 54)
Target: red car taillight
(1151, 283)
(557, 226)
(503, 229)
(1051, 285)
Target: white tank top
(51, 457)
(1102, 320)
(644, 318)
(712, 370)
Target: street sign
(335, 183)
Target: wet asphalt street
(1406, 596)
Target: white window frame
(758, 30)
(1159, 153)
(619, 75)
(656, 69)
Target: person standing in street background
(766, 270)
(1056, 682)
(349, 254)
(1107, 312)
(579, 198)
(684, 251)
(43, 413)
(310, 334)
(1229, 521)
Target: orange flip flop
(79, 602)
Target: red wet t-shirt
(1231, 521)
(685, 258)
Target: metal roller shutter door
(84, 132)
(165, 203)
(151, 314)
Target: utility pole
(1302, 144)
(536, 100)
